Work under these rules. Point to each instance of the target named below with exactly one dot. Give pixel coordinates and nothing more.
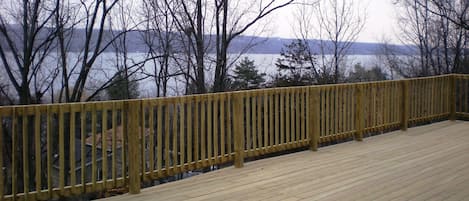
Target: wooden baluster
(297, 116)
(327, 116)
(49, 151)
(465, 91)
(114, 145)
(182, 142)
(175, 135)
(238, 129)
(266, 120)
(259, 123)
(222, 128)
(343, 109)
(253, 121)
(452, 96)
(359, 112)
(229, 124)
(313, 117)
(322, 94)
(336, 112)
(104, 137)
(2, 144)
(302, 109)
(94, 168)
(404, 104)
(37, 150)
(290, 105)
(143, 139)
(395, 111)
(24, 131)
(189, 132)
(249, 122)
(133, 111)
(271, 120)
(124, 155)
(151, 138)
(14, 157)
(197, 122)
(351, 106)
(203, 132)
(277, 118)
(72, 160)
(209, 130)
(384, 95)
(282, 117)
(159, 138)
(465, 88)
(215, 132)
(83, 136)
(289, 124)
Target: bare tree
(440, 42)
(189, 18)
(66, 19)
(94, 18)
(305, 28)
(417, 32)
(232, 20)
(454, 11)
(126, 67)
(228, 19)
(163, 42)
(26, 44)
(340, 22)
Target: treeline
(174, 31)
(440, 32)
(186, 45)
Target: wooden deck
(424, 163)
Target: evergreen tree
(296, 65)
(360, 74)
(246, 76)
(122, 87)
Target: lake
(265, 63)
(105, 67)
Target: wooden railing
(62, 150)
(460, 97)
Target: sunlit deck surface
(424, 163)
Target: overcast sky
(381, 22)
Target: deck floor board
(424, 163)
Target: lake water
(105, 67)
(265, 63)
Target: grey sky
(381, 22)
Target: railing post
(313, 101)
(359, 118)
(238, 132)
(404, 104)
(452, 97)
(133, 109)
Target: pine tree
(296, 65)
(246, 76)
(360, 74)
(122, 88)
